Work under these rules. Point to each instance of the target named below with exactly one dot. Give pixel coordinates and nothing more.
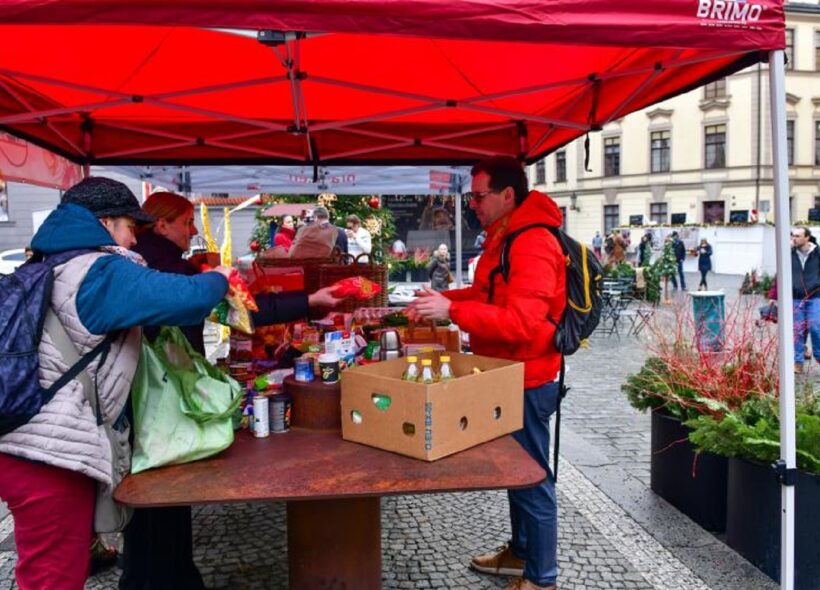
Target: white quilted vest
(65, 433)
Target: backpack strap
(68, 351)
(503, 267)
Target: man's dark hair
(504, 171)
(806, 231)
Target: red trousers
(53, 511)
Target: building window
(716, 89)
(817, 51)
(612, 156)
(790, 142)
(561, 167)
(659, 141)
(715, 146)
(789, 49)
(817, 143)
(658, 212)
(541, 172)
(612, 217)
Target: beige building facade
(702, 157)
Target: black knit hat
(106, 198)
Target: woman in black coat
(158, 552)
(704, 263)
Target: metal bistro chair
(615, 301)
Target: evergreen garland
(375, 218)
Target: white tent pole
(785, 335)
(459, 282)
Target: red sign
(21, 161)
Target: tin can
(329, 367)
(280, 408)
(261, 425)
(303, 369)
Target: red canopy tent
(346, 82)
(378, 82)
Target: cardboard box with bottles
(430, 421)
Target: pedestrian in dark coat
(704, 262)
(438, 269)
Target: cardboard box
(432, 421)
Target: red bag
(356, 287)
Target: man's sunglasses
(478, 196)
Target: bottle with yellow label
(445, 371)
(427, 375)
(411, 372)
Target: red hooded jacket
(516, 325)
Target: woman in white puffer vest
(50, 466)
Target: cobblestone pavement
(614, 532)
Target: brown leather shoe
(502, 563)
(525, 584)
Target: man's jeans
(533, 511)
(680, 272)
(806, 317)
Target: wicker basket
(330, 273)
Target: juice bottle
(411, 373)
(427, 375)
(445, 371)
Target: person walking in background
(645, 251)
(597, 244)
(680, 256)
(806, 294)
(438, 269)
(704, 263)
(359, 240)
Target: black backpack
(583, 309)
(25, 299)
(583, 283)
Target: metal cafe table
(332, 489)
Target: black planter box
(753, 521)
(702, 497)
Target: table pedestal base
(335, 544)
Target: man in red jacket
(517, 324)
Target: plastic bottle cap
(444, 359)
(426, 362)
(412, 359)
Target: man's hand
(323, 298)
(430, 305)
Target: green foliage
(380, 219)
(656, 386)
(753, 431)
(752, 284)
(621, 270)
(651, 275)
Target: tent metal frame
(290, 60)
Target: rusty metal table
(332, 489)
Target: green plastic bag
(182, 404)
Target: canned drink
(261, 425)
(280, 408)
(303, 369)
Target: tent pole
(459, 282)
(785, 335)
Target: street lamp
(573, 202)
